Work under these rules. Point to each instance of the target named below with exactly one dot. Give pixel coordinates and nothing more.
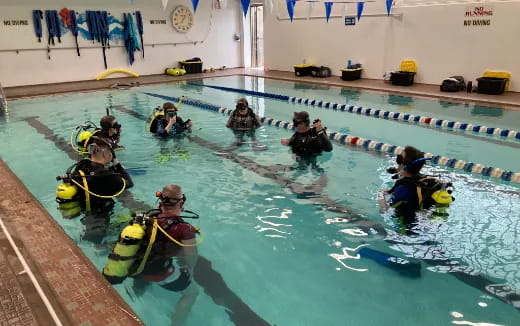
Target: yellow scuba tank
(443, 199)
(124, 254)
(70, 209)
(66, 192)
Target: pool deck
(509, 100)
(77, 292)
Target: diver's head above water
(170, 110)
(110, 125)
(409, 162)
(100, 153)
(171, 200)
(301, 121)
(242, 106)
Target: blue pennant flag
(245, 6)
(195, 5)
(360, 6)
(328, 9)
(389, 4)
(290, 8)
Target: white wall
(434, 36)
(215, 28)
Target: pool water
(285, 257)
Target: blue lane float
(367, 144)
(388, 115)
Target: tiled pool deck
(76, 290)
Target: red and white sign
(479, 12)
(478, 16)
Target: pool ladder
(3, 100)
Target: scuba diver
(414, 191)
(90, 186)
(110, 130)
(166, 123)
(308, 143)
(160, 247)
(244, 122)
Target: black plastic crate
(321, 72)
(191, 67)
(491, 85)
(351, 74)
(303, 70)
(402, 78)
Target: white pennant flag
(344, 11)
(164, 4)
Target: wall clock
(182, 19)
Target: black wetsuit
(101, 181)
(179, 128)
(244, 125)
(310, 143)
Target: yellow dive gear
(81, 135)
(124, 254)
(65, 192)
(126, 251)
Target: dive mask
(165, 200)
(116, 125)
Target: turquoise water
(289, 259)
(475, 114)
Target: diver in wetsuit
(244, 122)
(110, 131)
(169, 124)
(91, 185)
(307, 143)
(161, 248)
(414, 191)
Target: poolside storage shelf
(191, 67)
(302, 70)
(491, 85)
(351, 74)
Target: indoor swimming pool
(286, 246)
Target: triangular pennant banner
(164, 4)
(328, 9)
(195, 5)
(389, 4)
(245, 6)
(360, 6)
(290, 8)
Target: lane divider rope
(367, 144)
(382, 114)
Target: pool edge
(368, 85)
(83, 295)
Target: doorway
(257, 36)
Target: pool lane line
(33, 279)
(454, 126)
(344, 139)
(308, 192)
(204, 274)
(479, 282)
